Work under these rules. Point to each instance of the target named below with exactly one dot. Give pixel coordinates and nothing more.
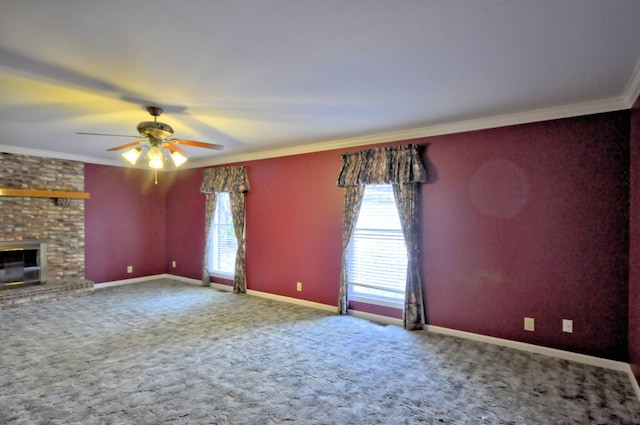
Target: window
(222, 243)
(377, 256)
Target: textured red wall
(634, 249)
(531, 220)
(124, 223)
(294, 226)
(185, 224)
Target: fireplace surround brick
(62, 226)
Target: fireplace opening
(23, 263)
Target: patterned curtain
(208, 214)
(406, 196)
(394, 164)
(352, 203)
(235, 181)
(238, 213)
(402, 167)
(225, 179)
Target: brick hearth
(51, 291)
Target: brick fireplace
(60, 224)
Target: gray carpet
(166, 352)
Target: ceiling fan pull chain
(155, 175)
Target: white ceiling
(271, 77)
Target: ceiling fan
(157, 143)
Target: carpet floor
(166, 352)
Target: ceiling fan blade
(196, 144)
(111, 135)
(172, 147)
(127, 145)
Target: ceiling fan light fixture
(159, 146)
(178, 158)
(155, 157)
(132, 155)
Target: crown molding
(546, 114)
(632, 91)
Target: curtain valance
(225, 179)
(393, 164)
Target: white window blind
(222, 239)
(377, 256)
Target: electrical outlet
(299, 286)
(567, 325)
(173, 264)
(529, 324)
(129, 269)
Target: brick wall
(40, 218)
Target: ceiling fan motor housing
(159, 130)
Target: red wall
(124, 223)
(528, 220)
(294, 226)
(531, 221)
(185, 224)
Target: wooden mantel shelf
(44, 193)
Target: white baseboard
(197, 282)
(132, 280)
(221, 287)
(261, 294)
(523, 346)
(189, 280)
(282, 298)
